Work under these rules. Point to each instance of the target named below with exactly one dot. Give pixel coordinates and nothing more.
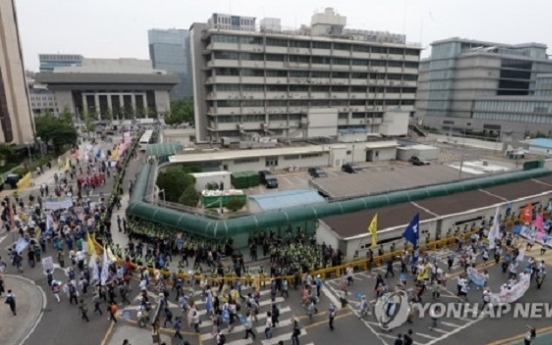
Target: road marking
(331, 296)
(450, 324)
(424, 209)
(425, 335)
(44, 303)
(288, 181)
(438, 330)
(519, 336)
(456, 330)
(275, 340)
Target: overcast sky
(118, 28)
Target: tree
(235, 204)
(181, 111)
(89, 125)
(174, 182)
(189, 197)
(57, 130)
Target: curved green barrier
(222, 228)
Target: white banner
(58, 205)
(531, 232)
(514, 293)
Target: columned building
(16, 121)
(111, 89)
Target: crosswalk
(282, 331)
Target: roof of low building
(288, 198)
(106, 78)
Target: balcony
(341, 67)
(226, 126)
(299, 51)
(275, 50)
(224, 95)
(253, 95)
(298, 65)
(376, 56)
(223, 46)
(230, 79)
(298, 95)
(276, 110)
(358, 95)
(227, 111)
(321, 67)
(409, 83)
(274, 64)
(342, 53)
(360, 55)
(392, 96)
(355, 68)
(320, 95)
(253, 48)
(223, 63)
(252, 64)
(252, 80)
(340, 81)
(358, 82)
(411, 70)
(276, 95)
(415, 58)
(395, 70)
(253, 110)
(340, 95)
(277, 124)
(323, 52)
(276, 80)
(408, 96)
(320, 81)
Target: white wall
(322, 122)
(162, 103)
(395, 123)
(326, 235)
(218, 177)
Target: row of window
(290, 117)
(315, 103)
(277, 42)
(310, 88)
(247, 72)
(317, 60)
(45, 104)
(514, 118)
(514, 107)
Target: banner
(530, 232)
(478, 278)
(58, 205)
(24, 182)
(47, 264)
(373, 230)
(21, 245)
(514, 293)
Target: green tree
(56, 130)
(189, 197)
(174, 182)
(89, 125)
(181, 111)
(235, 204)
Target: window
(226, 55)
(410, 64)
(276, 73)
(252, 72)
(362, 49)
(277, 117)
(294, 117)
(299, 58)
(299, 44)
(298, 88)
(321, 60)
(224, 38)
(298, 103)
(253, 118)
(228, 119)
(318, 74)
(361, 89)
(377, 63)
(276, 88)
(379, 50)
(359, 115)
(396, 51)
(343, 116)
(415, 52)
(252, 88)
(275, 57)
(359, 75)
(320, 88)
(291, 157)
(228, 87)
(338, 61)
(336, 88)
(253, 103)
(298, 74)
(228, 104)
(411, 77)
(357, 102)
(341, 46)
(227, 71)
(394, 63)
(246, 160)
(321, 45)
(275, 42)
(250, 40)
(310, 155)
(276, 103)
(357, 62)
(251, 57)
(340, 75)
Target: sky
(118, 28)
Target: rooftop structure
(314, 81)
(48, 62)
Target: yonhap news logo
(475, 310)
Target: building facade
(42, 99)
(468, 85)
(50, 61)
(111, 89)
(170, 51)
(317, 81)
(16, 122)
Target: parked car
(269, 180)
(350, 168)
(317, 172)
(415, 160)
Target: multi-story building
(111, 88)
(50, 61)
(468, 85)
(320, 80)
(16, 122)
(170, 51)
(42, 99)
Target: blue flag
(412, 235)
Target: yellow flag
(373, 229)
(67, 164)
(91, 249)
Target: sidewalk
(30, 302)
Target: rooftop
(353, 224)
(106, 78)
(289, 198)
(369, 183)
(541, 142)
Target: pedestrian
(268, 326)
(83, 309)
(434, 314)
(168, 317)
(96, 301)
(220, 337)
(248, 325)
(56, 288)
(296, 332)
(126, 342)
(112, 312)
(177, 325)
(530, 336)
(50, 277)
(10, 300)
(72, 290)
(399, 340)
(407, 339)
(331, 313)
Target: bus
(145, 140)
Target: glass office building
(169, 51)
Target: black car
(317, 172)
(350, 168)
(268, 179)
(415, 160)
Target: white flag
(94, 267)
(105, 268)
(494, 234)
(521, 255)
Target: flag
(549, 208)
(412, 235)
(526, 214)
(49, 222)
(93, 267)
(373, 229)
(539, 224)
(494, 234)
(91, 248)
(521, 255)
(67, 164)
(105, 268)
(60, 163)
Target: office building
(42, 99)
(115, 89)
(474, 86)
(16, 122)
(170, 51)
(50, 61)
(319, 80)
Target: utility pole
(463, 155)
